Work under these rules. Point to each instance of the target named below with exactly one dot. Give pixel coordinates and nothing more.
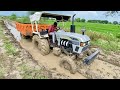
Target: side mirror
(83, 31)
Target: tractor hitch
(91, 58)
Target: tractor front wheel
(68, 64)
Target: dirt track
(49, 60)
(98, 69)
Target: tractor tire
(44, 47)
(68, 64)
(89, 52)
(36, 41)
(56, 51)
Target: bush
(82, 20)
(115, 22)
(95, 36)
(118, 35)
(77, 19)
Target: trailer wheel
(36, 41)
(68, 64)
(44, 47)
(23, 36)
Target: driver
(52, 29)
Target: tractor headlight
(82, 44)
(88, 42)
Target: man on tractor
(52, 29)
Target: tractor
(72, 47)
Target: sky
(88, 15)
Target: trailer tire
(44, 47)
(68, 64)
(23, 36)
(36, 41)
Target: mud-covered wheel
(36, 41)
(44, 47)
(89, 52)
(68, 64)
(23, 36)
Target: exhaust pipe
(72, 28)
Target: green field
(97, 27)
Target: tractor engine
(66, 45)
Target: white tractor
(73, 45)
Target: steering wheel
(58, 28)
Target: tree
(109, 23)
(77, 19)
(104, 21)
(13, 17)
(115, 22)
(82, 20)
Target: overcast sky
(98, 15)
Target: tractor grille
(75, 43)
(76, 49)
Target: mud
(104, 67)
(113, 58)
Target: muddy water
(49, 60)
(104, 69)
(15, 32)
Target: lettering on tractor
(73, 45)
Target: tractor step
(91, 58)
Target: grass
(1, 32)
(31, 73)
(10, 49)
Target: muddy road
(50, 60)
(99, 69)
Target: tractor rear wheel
(36, 41)
(44, 47)
(68, 64)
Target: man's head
(55, 24)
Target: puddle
(14, 31)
